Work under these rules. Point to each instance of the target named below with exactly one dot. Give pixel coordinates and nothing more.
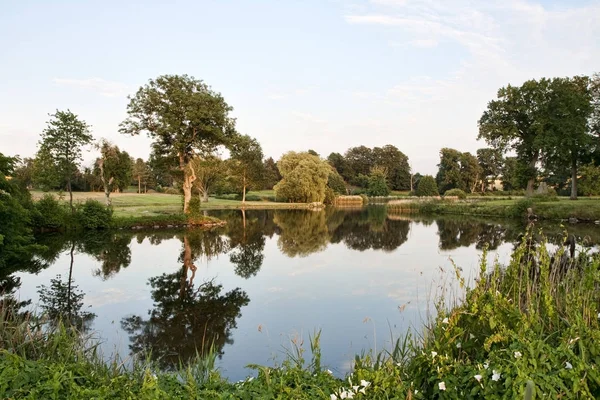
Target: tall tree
(490, 162)
(184, 117)
(207, 170)
(568, 141)
(515, 120)
(514, 174)
(272, 175)
(304, 178)
(360, 161)
(396, 164)
(140, 173)
(449, 174)
(113, 167)
(46, 175)
(63, 140)
(246, 162)
(337, 161)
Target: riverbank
(584, 209)
(518, 328)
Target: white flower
(363, 391)
(518, 354)
(433, 354)
(495, 375)
(343, 395)
(364, 383)
(478, 377)
(458, 345)
(333, 397)
(599, 315)
(442, 385)
(445, 320)
(471, 336)
(486, 365)
(568, 365)
(416, 391)
(350, 394)
(355, 388)
(329, 372)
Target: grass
(530, 328)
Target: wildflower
(355, 388)
(343, 395)
(573, 340)
(362, 391)
(471, 336)
(518, 354)
(329, 372)
(486, 365)
(333, 397)
(442, 385)
(364, 383)
(445, 320)
(433, 354)
(416, 391)
(568, 365)
(495, 375)
(458, 345)
(599, 315)
(350, 394)
(478, 378)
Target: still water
(269, 278)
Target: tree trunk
(205, 196)
(70, 193)
(531, 181)
(244, 188)
(188, 264)
(573, 180)
(139, 185)
(188, 180)
(145, 188)
(411, 183)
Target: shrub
(427, 187)
(49, 213)
(94, 215)
(172, 191)
(377, 185)
(194, 205)
(336, 182)
(329, 196)
(456, 192)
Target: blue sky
(320, 74)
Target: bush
(172, 191)
(456, 192)
(95, 215)
(377, 185)
(49, 213)
(329, 196)
(427, 187)
(336, 183)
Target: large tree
(114, 168)
(304, 178)
(457, 170)
(568, 141)
(360, 160)
(183, 116)
(338, 161)
(516, 121)
(62, 141)
(141, 173)
(246, 163)
(271, 172)
(396, 164)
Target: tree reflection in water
(186, 319)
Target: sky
(300, 74)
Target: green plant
(456, 192)
(94, 215)
(49, 213)
(427, 187)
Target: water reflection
(183, 306)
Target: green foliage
(114, 168)
(304, 178)
(272, 175)
(246, 165)
(50, 213)
(456, 192)
(589, 183)
(329, 196)
(336, 183)
(458, 170)
(427, 187)
(94, 215)
(378, 183)
(63, 302)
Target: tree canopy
(304, 178)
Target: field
(159, 204)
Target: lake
(269, 279)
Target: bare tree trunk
(573, 180)
(188, 180)
(411, 182)
(70, 280)
(139, 185)
(70, 193)
(188, 264)
(145, 188)
(205, 196)
(244, 188)
(531, 181)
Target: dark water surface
(270, 277)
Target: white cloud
(98, 85)
(424, 43)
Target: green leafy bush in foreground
(527, 328)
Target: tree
(339, 163)
(62, 141)
(46, 175)
(457, 171)
(24, 171)
(336, 182)
(470, 171)
(113, 167)
(207, 170)
(141, 173)
(271, 172)
(516, 120)
(589, 184)
(246, 162)
(514, 174)
(568, 140)
(427, 187)
(360, 161)
(304, 178)
(396, 164)
(490, 162)
(184, 117)
(378, 185)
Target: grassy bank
(555, 209)
(532, 325)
